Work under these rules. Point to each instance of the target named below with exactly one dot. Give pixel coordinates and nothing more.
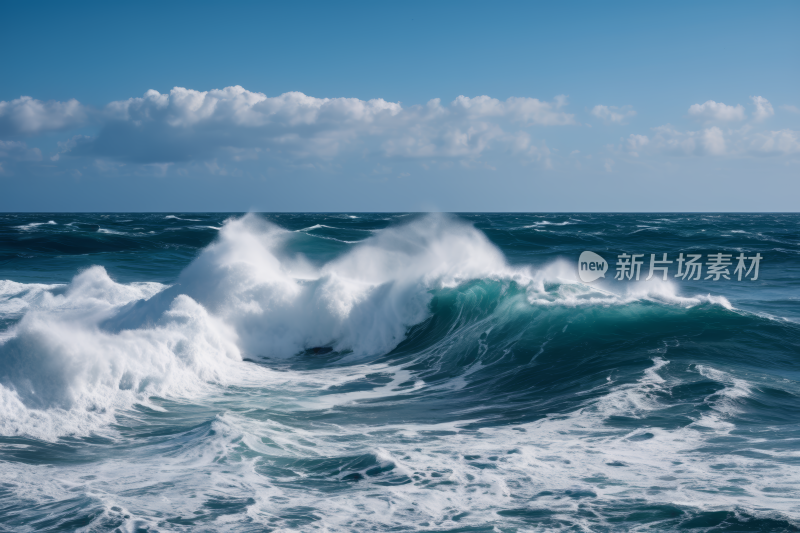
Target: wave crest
(97, 346)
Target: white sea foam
(440, 476)
(102, 345)
(548, 223)
(363, 301)
(332, 238)
(82, 352)
(112, 232)
(34, 225)
(316, 226)
(173, 217)
(572, 292)
(727, 401)
(15, 297)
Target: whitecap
(173, 217)
(34, 225)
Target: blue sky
(454, 106)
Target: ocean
(399, 372)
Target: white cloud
(669, 140)
(612, 114)
(228, 130)
(763, 108)
(790, 108)
(716, 111)
(782, 142)
(527, 110)
(714, 141)
(635, 142)
(712, 111)
(443, 136)
(709, 141)
(240, 107)
(19, 151)
(236, 105)
(27, 116)
(187, 125)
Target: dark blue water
(374, 372)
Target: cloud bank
(221, 128)
(187, 124)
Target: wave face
(207, 372)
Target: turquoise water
(395, 372)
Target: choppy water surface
(357, 372)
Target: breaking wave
(94, 346)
